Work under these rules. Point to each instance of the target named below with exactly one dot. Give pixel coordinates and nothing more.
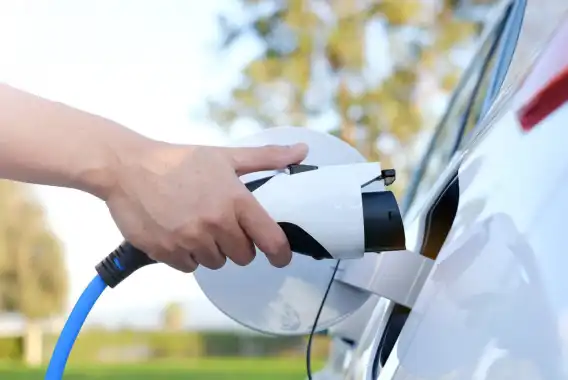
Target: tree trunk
(33, 343)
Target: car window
(463, 114)
(492, 86)
(473, 115)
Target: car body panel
(495, 305)
(365, 364)
(350, 328)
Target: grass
(202, 369)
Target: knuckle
(213, 219)
(189, 232)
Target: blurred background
(377, 73)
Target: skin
(184, 205)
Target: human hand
(185, 205)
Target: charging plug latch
(300, 168)
(388, 176)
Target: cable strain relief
(121, 263)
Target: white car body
(488, 204)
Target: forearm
(49, 143)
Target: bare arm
(49, 143)
(182, 204)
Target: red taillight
(545, 102)
(545, 88)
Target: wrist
(102, 174)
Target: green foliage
(11, 348)
(314, 65)
(33, 278)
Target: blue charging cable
(120, 264)
(72, 327)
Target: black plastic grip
(121, 263)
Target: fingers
(208, 253)
(182, 261)
(235, 244)
(263, 230)
(172, 255)
(210, 245)
(269, 157)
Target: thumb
(269, 157)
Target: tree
(33, 279)
(319, 63)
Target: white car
(488, 205)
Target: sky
(145, 64)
